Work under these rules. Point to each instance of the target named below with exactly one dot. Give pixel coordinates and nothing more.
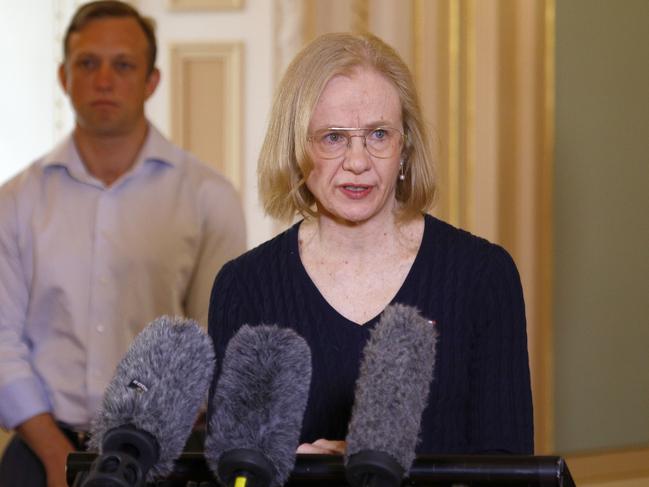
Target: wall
(27, 84)
(601, 314)
(601, 259)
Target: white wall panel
(252, 26)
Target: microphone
(390, 397)
(151, 403)
(259, 405)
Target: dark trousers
(20, 467)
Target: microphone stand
(191, 470)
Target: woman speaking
(346, 151)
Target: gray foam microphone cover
(159, 387)
(393, 384)
(260, 397)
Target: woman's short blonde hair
(284, 163)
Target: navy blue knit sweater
(480, 399)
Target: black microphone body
(258, 407)
(151, 404)
(391, 395)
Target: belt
(78, 438)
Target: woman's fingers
(323, 447)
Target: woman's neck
(371, 238)
(359, 269)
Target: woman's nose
(357, 159)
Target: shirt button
(100, 328)
(103, 280)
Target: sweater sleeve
(501, 398)
(225, 310)
(223, 319)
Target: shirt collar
(156, 148)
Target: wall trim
(544, 366)
(610, 465)
(205, 4)
(224, 149)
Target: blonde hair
(284, 163)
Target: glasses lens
(330, 144)
(382, 142)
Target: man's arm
(23, 401)
(22, 394)
(223, 239)
(46, 440)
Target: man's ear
(152, 82)
(63, 77)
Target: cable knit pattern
(480, 399)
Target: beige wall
(601, 313)
(601, 245)
(4, 438)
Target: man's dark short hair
(103, 9)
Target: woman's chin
(354, 218)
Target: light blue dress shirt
(84, 267)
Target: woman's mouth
(356, 191)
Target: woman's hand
(323, 447)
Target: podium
(191, 470)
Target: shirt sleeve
(223, 238)
(501, 405)
(22, 394)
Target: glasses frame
(366, 130)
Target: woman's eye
(380, 134)
(333, 138)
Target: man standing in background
(112, 228)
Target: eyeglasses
(332, 143)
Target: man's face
(106, 76)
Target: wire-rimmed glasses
(333, 142)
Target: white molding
(227, 59)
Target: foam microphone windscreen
(393, 385)
(158, 388)
(258, 405)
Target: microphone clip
(371, 468)
(128, 455)
(245, 467)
